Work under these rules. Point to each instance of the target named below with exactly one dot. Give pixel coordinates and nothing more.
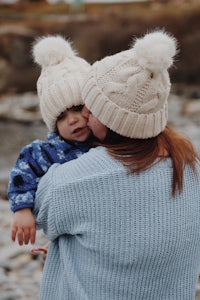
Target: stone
(24, 108)
(191, 107)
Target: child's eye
(61, 116)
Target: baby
(58, 87)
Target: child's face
(72, 125)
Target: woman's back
(120, 237)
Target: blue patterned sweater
(33, 162)
(118, 236)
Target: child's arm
(33, 162)
(23, 227)
(24, 177)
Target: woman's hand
(42, 250)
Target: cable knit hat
(128, 91)
(59, 85)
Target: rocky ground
(20, 272)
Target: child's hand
(23, 227)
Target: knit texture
(128, 91)
(60, 82)
(117, 236)
(33, 162)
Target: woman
(124, 218)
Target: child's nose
(72, 118)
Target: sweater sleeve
(62, 202)
(46, 206)
(24, 178)
(59, 205)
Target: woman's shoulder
(93, 163)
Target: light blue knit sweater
(117, 236)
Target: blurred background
(96, 28)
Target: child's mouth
(78, 130)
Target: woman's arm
(62, 204)
(51, 205)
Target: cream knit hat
(128, 91)
(59, 85)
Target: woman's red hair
(140, 154)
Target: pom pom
(52, 50)
(155, 51)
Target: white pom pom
(52, 50)
(155, 51)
